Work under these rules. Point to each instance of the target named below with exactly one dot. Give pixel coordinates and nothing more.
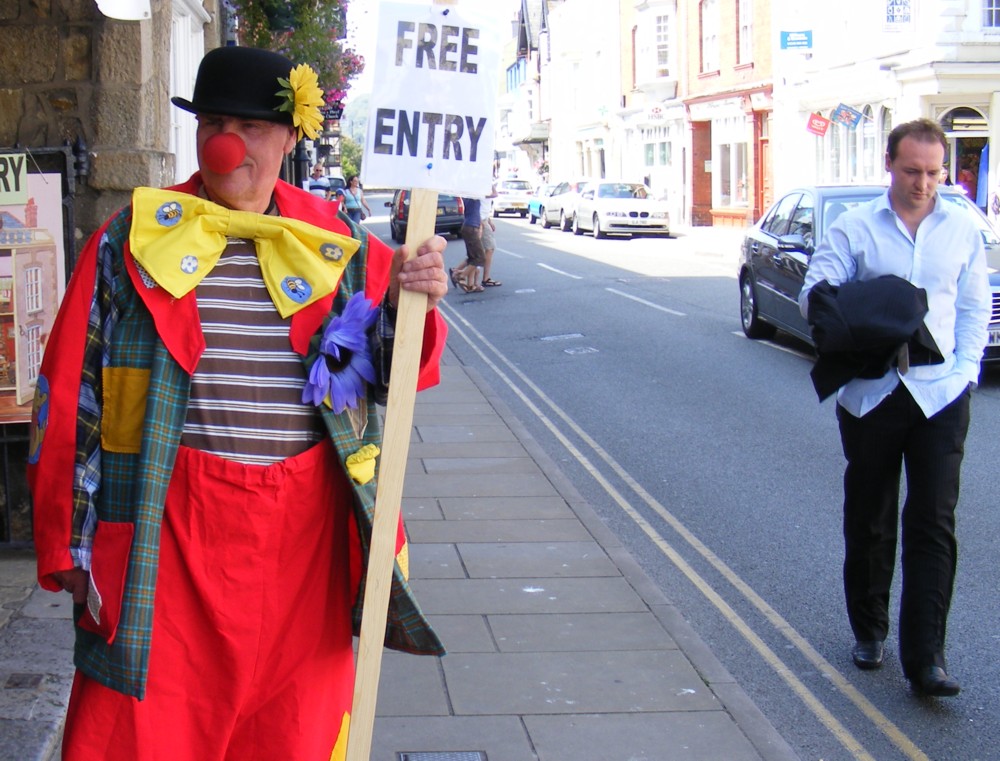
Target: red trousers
(251, 652)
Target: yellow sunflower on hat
(302, 98)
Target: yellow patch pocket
(124, 408)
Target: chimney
(31, 214)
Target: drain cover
(472, 755)
(23, 681)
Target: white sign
(13, 179)
(432, 120)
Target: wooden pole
(410, 315)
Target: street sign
(797, 40)
(332, 111)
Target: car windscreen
(621, 190)
(990, 238)
(516, 185)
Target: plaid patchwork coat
(109, 411)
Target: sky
(362, 21)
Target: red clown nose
(224, 152)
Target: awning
(538, 133)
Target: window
(853, 150)
(709, 20)
(884, 137)
(777, 223)
(663, 46)
(801, 222)
(33, 360)
(745, 31)
(898, 14)
(650, 154)
(836, 151)
(664, 154)
(733, 174)
(33, 289)
(991, 14)
(869, 156)
(187, 46)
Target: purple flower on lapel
(344, 363)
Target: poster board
(32, 283)
(432, 113)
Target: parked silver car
(560, 208)
(513, 197)
(608, 206)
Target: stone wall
(67, 72)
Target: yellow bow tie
(178, 238)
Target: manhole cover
(473, 755)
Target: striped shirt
(246, 393)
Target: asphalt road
(711, 458)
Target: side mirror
(795, 242)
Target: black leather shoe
(934, 681)
(867, 654)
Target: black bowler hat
(235, 81)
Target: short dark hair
(924, 130)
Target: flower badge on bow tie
(302, 98)
(344, 363)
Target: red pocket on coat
(108, 568)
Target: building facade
(938, 59)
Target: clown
(205, 502)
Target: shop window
(869, 156)
(733, 174)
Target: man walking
(916, 414)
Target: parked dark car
(450, 214)
(775, 256)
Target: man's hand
(75, 582)
(423, 273)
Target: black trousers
(876, 447)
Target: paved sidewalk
(560, 647)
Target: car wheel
(394, 234)
(598, 232)
(753, 326)
(545, 219)
(524, 214)
(565, 223)
(577, 230)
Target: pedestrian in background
(488, 228)
(319, 184)
(915, 414)
(354, 200)
(467, 274)
(204, 442)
